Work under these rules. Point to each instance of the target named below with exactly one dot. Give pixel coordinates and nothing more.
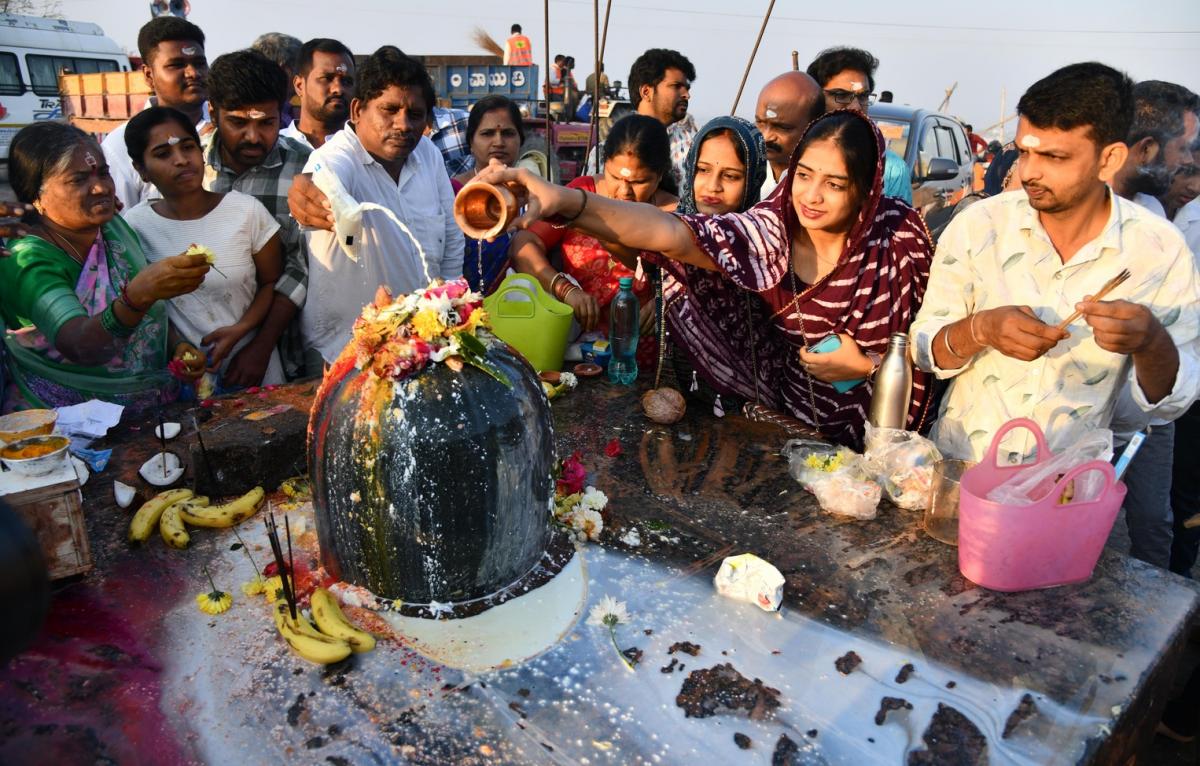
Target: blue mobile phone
(824, 346)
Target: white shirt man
(422, 199)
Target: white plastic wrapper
(751, 579)
(846, 495)
(902, 463)
(1031, 484)
(810, 461)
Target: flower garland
(577, 509)
(446, 322)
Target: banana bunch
(171, 511)
(336, 637)
(331, 621)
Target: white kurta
(423, 199)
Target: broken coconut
(167, 430)
(162, 470)
(124, 494)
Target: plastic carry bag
(902, 463)
(837, 477)
(1031, 485)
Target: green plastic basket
(524, 316)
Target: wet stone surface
(127, 643)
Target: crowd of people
(748, 243)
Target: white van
(33, 53)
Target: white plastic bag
(1031, 484)
(751, 579)
(902, 462)
(810, 460)
(836, 475)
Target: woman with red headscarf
(826, 253)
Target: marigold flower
(427, 325)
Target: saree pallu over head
(42, 289)
(874, 290)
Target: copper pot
(484, 211)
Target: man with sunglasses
(847, 77)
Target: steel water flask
(893, 386)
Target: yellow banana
(171, 527)
(306, 641)
(331, 621)
(227, 515)
(146, 518)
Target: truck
(34, 53)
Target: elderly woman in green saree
(84, 312)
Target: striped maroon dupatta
(874, 291)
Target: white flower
(608, 612)
(587, 521)
(569, 380)
(448, 350)
(593, 500)
(442, 305)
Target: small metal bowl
(40, 465)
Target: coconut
(664, 405)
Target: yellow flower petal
(254, 587)
(427, 325)
(214, 602)
(273, 589)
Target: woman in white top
(227, 309)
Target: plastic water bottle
(624, 318)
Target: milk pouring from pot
(893, 386)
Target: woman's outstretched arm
(632, 224)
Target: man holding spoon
(1011, 272)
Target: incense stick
(203, 450)
(162, 438)
(273, 537)
(1109, 286)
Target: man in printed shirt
(1010, 268)
(383, 158)
(246, 153)
(660, 86)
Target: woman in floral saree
(82, 309)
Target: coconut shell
(664, 405)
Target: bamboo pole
(549, 152)
(594, 116)
(753, 53)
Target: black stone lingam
(435, 487)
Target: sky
(992, 51)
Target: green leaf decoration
(1079, 412)
(1012, 261)
(949, 260)
(942, 313)
(1025, 398)
(474, 353)
(1096, 378)
(990, 379)
(980, 434)
(1171, 317)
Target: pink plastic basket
(1023, 547)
